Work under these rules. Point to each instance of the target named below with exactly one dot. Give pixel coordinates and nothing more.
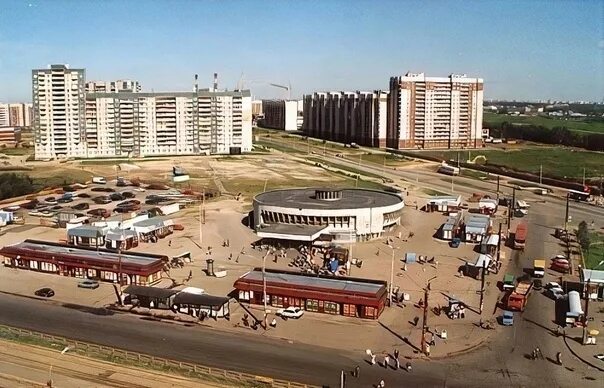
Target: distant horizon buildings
(416, 112)
(75, 118)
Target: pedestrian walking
(170, 243)
(415, 321)
(357, 369)
(381, 384)
(373, 359)
(386, 361)
(559, 358)
(396, 353)
(408, 367)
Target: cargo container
(520, 236)
(518, 298)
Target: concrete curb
(581, 358)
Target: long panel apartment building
(73, 118)
(435, 112)
(348, 117)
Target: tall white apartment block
(435, 112)
(58, 112)
(4, 115)
(120, 121)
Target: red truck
(518, 298)
(520, 236)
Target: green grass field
(549, 122)
(595, 254)
(16, 151)
(556, 161)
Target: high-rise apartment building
(58, 120)
(119, 121)
(435, 112)
(281, 114)
(4, 115)
(348, 117)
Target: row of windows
(276, 217)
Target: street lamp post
(425, 318)
(264, 288)
(65, 350)
(391, 273)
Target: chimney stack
(215, 82)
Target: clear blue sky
(522, 49)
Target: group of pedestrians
(389, 362)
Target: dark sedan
(45, 292)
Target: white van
(99, 179)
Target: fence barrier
(157, 361)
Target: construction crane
(288, 88)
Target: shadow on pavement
(89, 310)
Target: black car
(128, 194)
(537, 284)
(103, 189)
(84, 195)
(64, 200)
(116, 197)
(101, 200)
(56, 207)
(80, 206)
(45, 292)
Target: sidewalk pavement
(29, 366)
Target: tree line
(540, 134)
(14, 185)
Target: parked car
(31, 204)
(507, 318)
(90, 284)
(128, 194)
(555, 293)
(101, 200)
(560, 265)
(537, 284)
(552, 285)
(103, 213)
(50, 200)
(84, 195)
(455, 243)
(290, 312)
(64, 200)
(45, 292)
(56, 207)
(116, 197)
(103, 189)
(80, 206)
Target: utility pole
(585, 320)
(391, 273)
(540, 174)
(264, 288)
(484, 270)
(498, 249)
(425, 320)
(566, 215)
(498, 187)
(513, 201)
(457, 159)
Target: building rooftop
(338, 284)
(307, 198)
(37, 248)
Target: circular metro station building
(326, 215)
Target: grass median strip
(124, 358)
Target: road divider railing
(121, 356)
